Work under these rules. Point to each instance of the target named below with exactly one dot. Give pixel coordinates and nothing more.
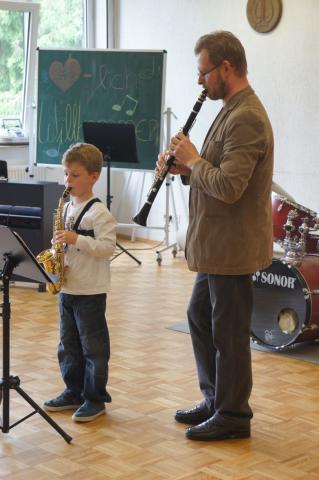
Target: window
(23, 27)
(61, 24)
(18, 25)
(12, 61)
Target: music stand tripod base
(17, 256)
(124, 250)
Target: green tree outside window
(61, 26)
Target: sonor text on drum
(274, 279)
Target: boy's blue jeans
(84, 348)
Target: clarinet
(141, 217)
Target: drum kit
(286, 294)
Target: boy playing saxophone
(89, 237)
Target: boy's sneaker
(62, 402)
(88, 411)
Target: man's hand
(174, 169)
(184, 151)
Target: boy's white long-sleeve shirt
(88, 261)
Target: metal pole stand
(168, 219)
(109, 198)
(169, 191)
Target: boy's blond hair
(84, 154)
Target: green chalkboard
(114, 86)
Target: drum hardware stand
(295, 249)
(313, 231)
(10, 241)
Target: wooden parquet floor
(152, 373)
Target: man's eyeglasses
(204, 74)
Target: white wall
(283, 69)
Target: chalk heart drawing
(65, 75)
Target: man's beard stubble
(220, 91)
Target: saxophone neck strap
(81, 215)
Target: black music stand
(117, 142)
(16, 256)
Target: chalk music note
(129, 103)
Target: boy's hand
(66, 236)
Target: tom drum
(280, 209)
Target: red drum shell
(280, 209)
(282, 287)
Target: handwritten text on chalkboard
(107, 86)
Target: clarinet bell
(141, 217)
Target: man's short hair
(222, 45)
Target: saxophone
(53, 258)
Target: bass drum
(280, 209)
(286, 303)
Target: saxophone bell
(53, 259)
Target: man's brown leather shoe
(195, 415)
(212, 430)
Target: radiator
(18, 172)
